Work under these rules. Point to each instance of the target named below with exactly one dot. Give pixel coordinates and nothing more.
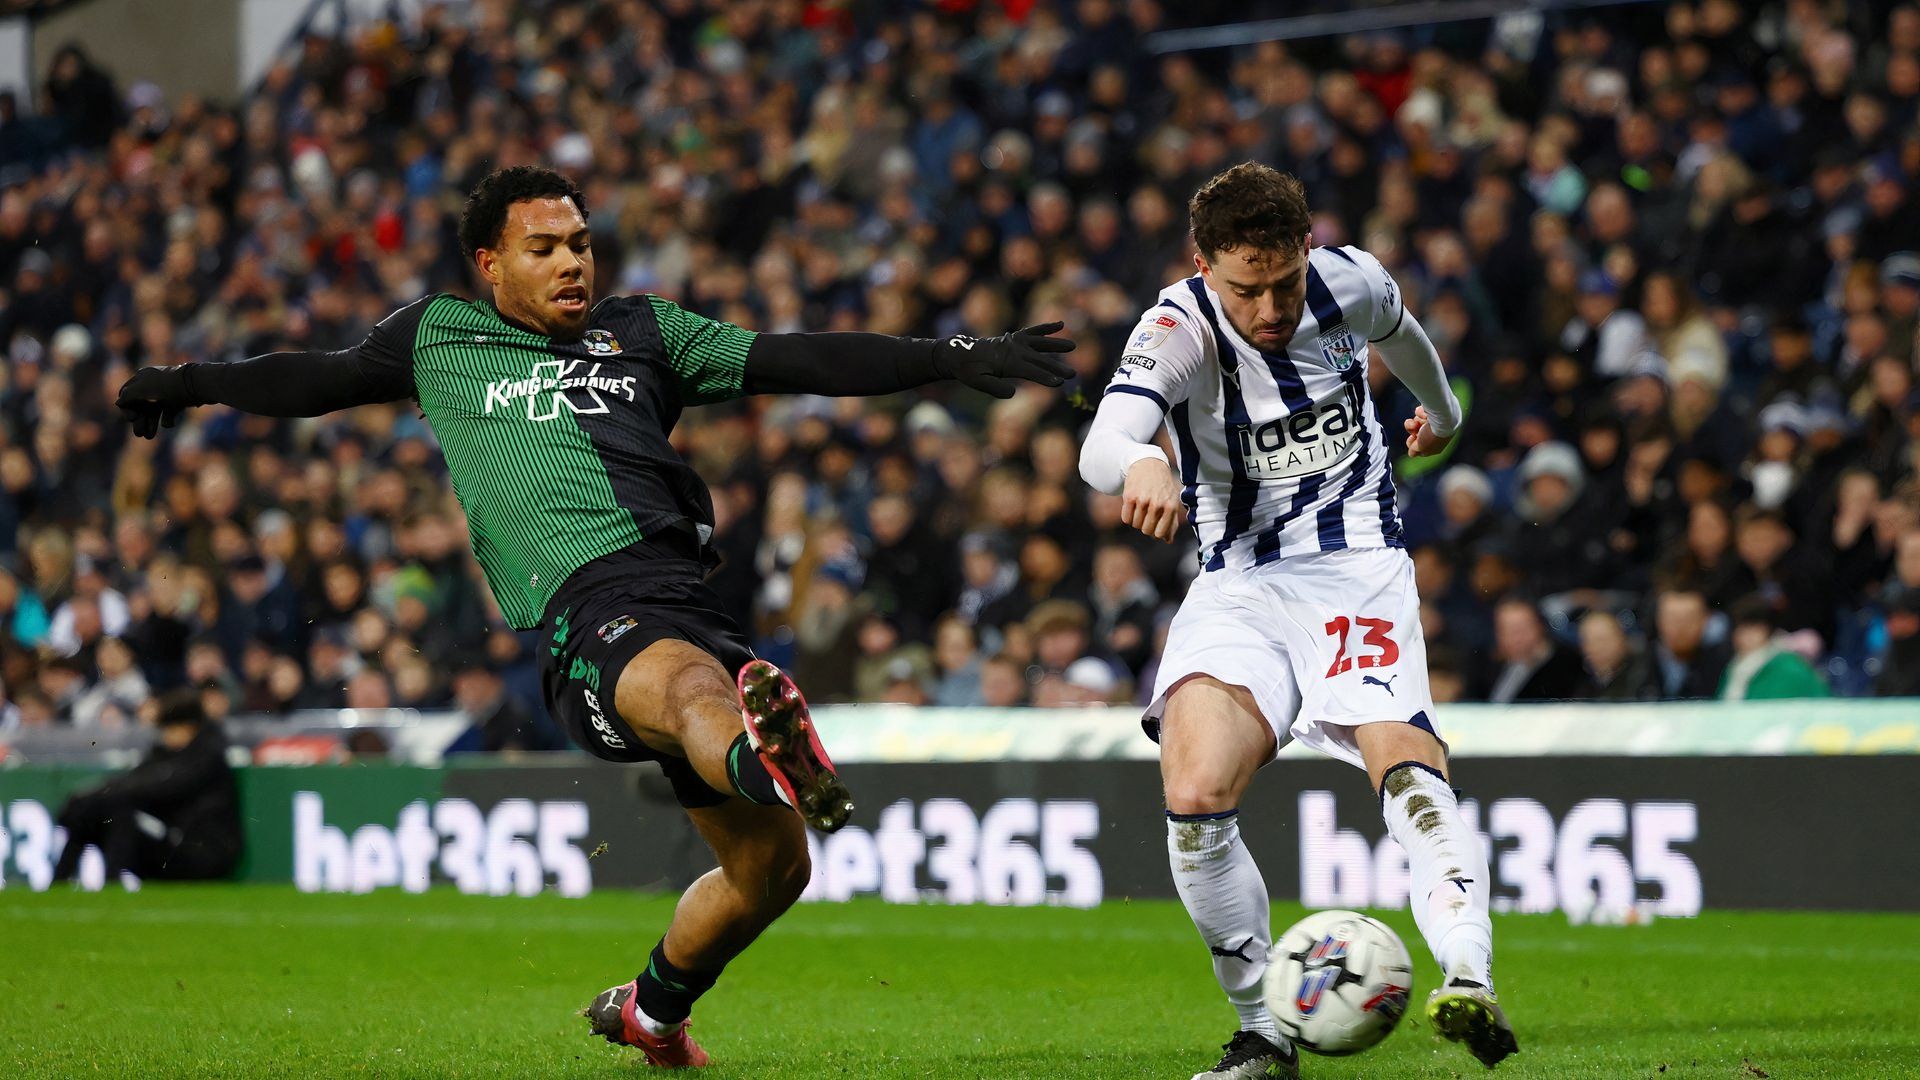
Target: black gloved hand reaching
(992, 364)
(155, 397)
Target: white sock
(654, 1027)
(1227, 897)
(1448, 871)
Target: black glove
(991, 364)
(155, 397)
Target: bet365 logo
(1602, 855)
(1017, 851)
(559, 384)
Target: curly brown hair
(1250, 205)
(485, 214)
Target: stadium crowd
(1670, 255)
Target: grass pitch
(264, 981)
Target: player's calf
(1449, 895)
(1447, 869)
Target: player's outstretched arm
(378, 369)
(864, 365)
(1410, 355)
(277, 384)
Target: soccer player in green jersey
(553, 413)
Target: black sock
(665, 992)
(750, 777)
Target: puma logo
(1368, 680)
(1238, 952)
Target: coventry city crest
(601, 343)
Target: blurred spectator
(115, 698)
(956, 655)
(1446, 677)
(1123, 602)
(1002, 683)
(82, 97)
(1687, 665)
(1704, 559)
(1764, 667)
(1087, 681)
(1532, 666)
(825, 633)
(987, 575)
(369, 689)
(1900, 673)
(1782, 576)
(1616, 670)
(1465, 495)
(1060, 632)
(496, 720)
(1552, 539)
(886, 658)
(175, 816)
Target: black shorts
(605, 614)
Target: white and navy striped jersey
(1278, 453)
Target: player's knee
(772, 870)
(691, 681)
(778, 877)
(789, 876)
(1201, 795)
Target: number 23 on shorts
(1377, 635)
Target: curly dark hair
(485, 214)
(1250, 205)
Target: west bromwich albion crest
(1337, 346)
(601, 343)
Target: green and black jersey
(558, 449)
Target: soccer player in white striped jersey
(1303, 622)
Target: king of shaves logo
(551, 387)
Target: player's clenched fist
(1422, 439)
(154, 398)
(1150, 501)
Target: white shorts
(1325, 642)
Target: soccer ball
(1337, 982)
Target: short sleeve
(708, 356)
(386, 356)
(1386, 307)
(1162, 354)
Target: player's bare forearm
(1150, 500)
(865, 365)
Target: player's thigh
(1384, 745)
(1212, 740)
(762, 849)
(665, 685)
